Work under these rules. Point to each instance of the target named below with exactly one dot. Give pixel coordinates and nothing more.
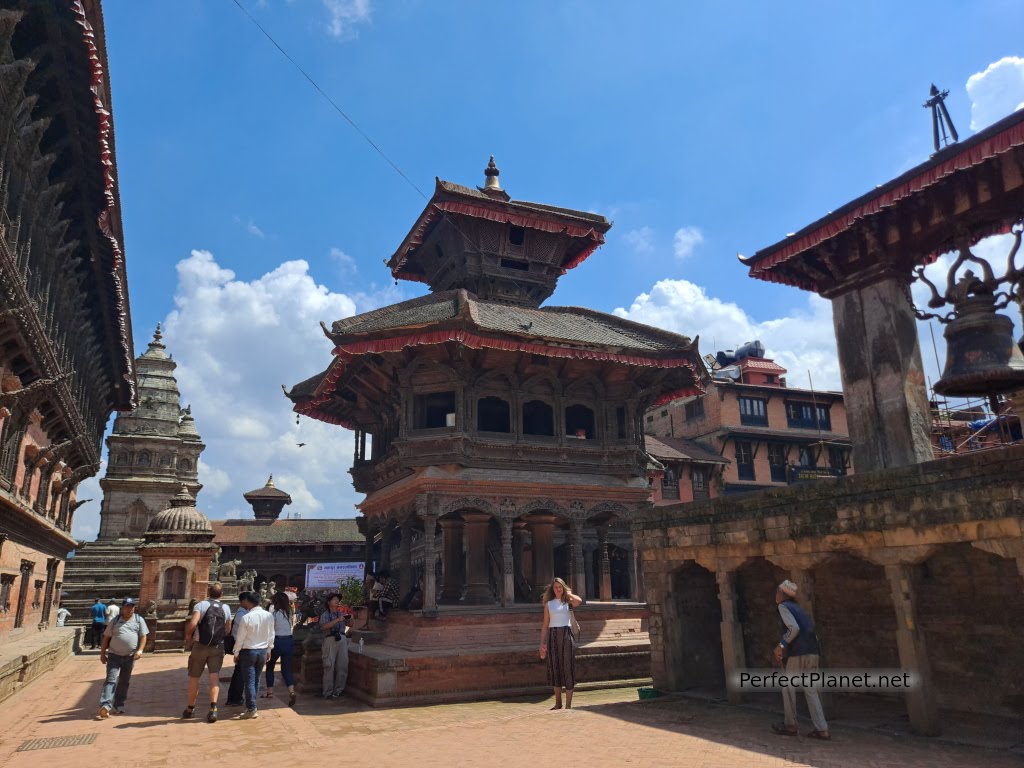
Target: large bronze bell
(981, 356)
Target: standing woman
(556, 642)
(284, 646)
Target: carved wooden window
(753, 411)
(538, 418)
(838, 459)
(777, 462)
(699, 481)
(175, 579)
(6, 587)
(516, 235)
(434, 410)
(579, 422)
(745, 460)
(37, 595)
(694, 409)
(808, 457)
(493, 415)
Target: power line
(330, 101)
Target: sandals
(820, 735)
(267, 695)
(784, 730)
(291, 699)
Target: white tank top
(558, 613)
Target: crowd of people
(261, 639)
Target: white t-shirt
(202, 607)
(282, 623)
(558, 613)
(62, 616)
(112, 612)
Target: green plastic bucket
(647, 693)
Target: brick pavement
(608, 728)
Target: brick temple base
(464, 654)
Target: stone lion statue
(227, 570)
(245, 583)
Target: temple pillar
(451, 552)
(604, 585)
(579, 576)
(733, 653)
(588, 571)
(386, 535)
(883, 377)
(478, 587)
(508, 587)
(405, 559)
(429, 562)
(370, 532)
(921, 705)
(518, 551)
(542, 536)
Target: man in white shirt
(62, 616)
(112, 611)
(254, 637)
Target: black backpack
(213, 624)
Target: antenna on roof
(941, 121)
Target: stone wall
(917, 567)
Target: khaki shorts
(209, 656)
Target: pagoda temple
(493, 435)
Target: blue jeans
(119, 677)
(284, 647)
(251, 661)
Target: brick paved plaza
(608, 728)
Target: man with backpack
(204, 638)
(124, 639)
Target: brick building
(65, 329)
(768, 434)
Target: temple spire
(492, 186)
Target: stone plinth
(462, 654)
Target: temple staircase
(105, 569)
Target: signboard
(327, 575)
(803, 474)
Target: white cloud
(640, 240)
(216, 482)
(686, 241)
(235, 343)
(343, 15)
(801, 342)
(346, 264)
(253, 230)
(996, 92)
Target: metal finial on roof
(941, 121)
(491, 173)
(270, 482)
(157, 334)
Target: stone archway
(756, 581)
(692, 630)
(853, 612)
(970, 607)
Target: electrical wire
(330, 101)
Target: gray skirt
(561, 658)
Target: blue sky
(252, 210)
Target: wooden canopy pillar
(883, 377)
